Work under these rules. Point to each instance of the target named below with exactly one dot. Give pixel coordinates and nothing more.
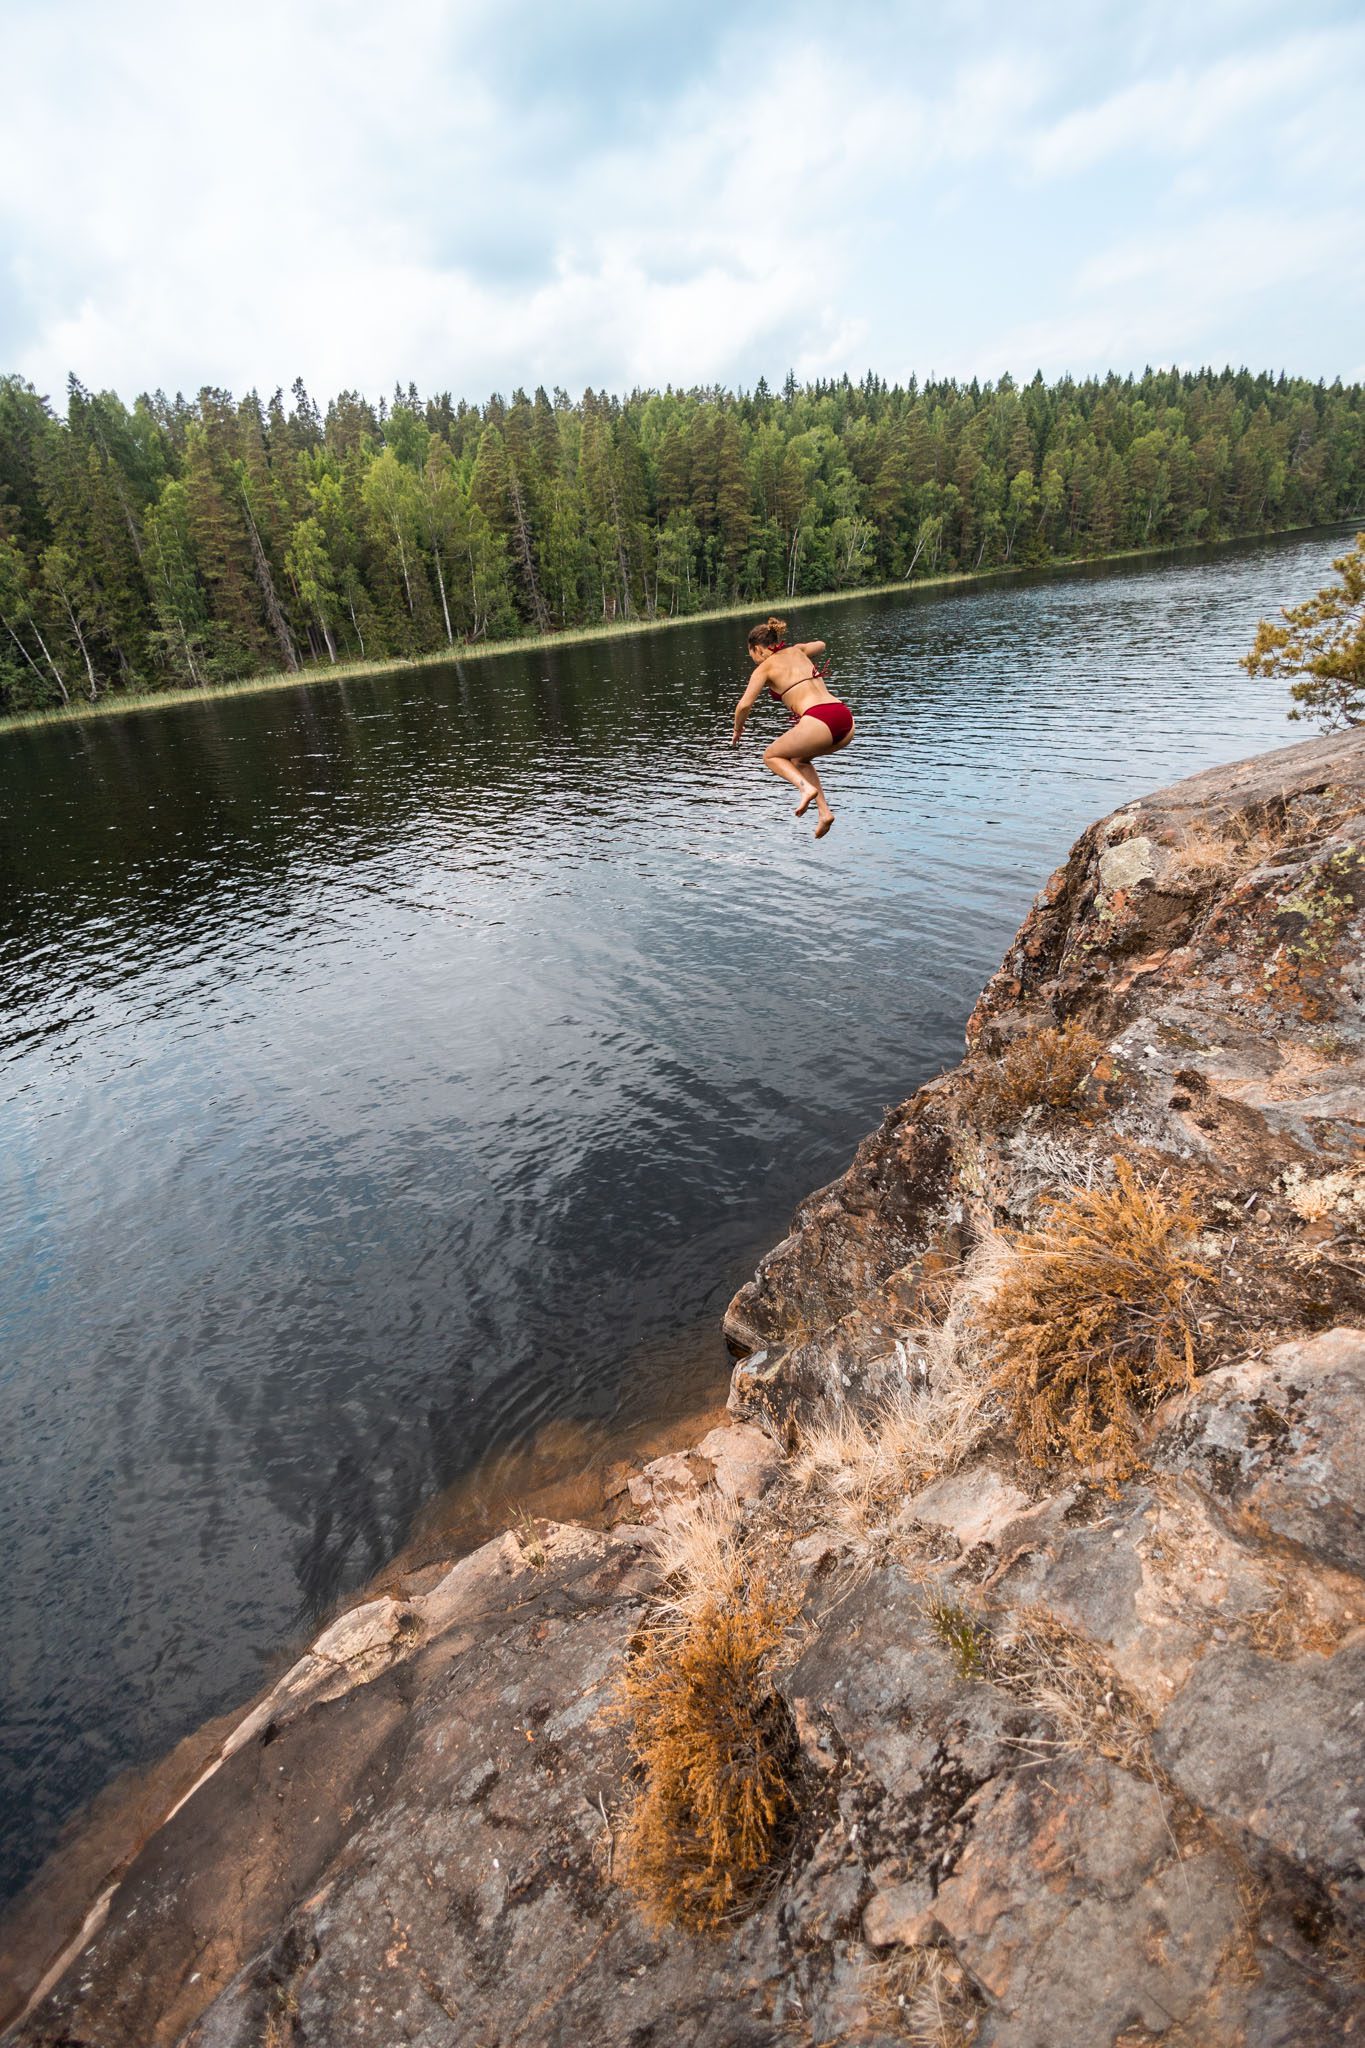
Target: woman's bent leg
(790, 770)
(815, 789)
(792, 757)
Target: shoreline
(314, 674)
(511, 1493)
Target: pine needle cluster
(1043, 1066)
(1322, 642)
(1094, 1321)
(717, 1750)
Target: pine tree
(191, 540)
(21, 623)
(177, 591)
(239, 641)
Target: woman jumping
(820, 723)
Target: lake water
(395, 1073)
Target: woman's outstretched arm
(748, 701)
(811, 646)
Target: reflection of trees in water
(350, 1536)
(159, 809)
(562, 1320)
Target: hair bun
(778, 625)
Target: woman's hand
(738, 733)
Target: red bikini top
(817, 675)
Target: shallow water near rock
(402, 1074)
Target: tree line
(182, 543)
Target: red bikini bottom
(835, 715)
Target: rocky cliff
(1075, 1750)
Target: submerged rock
(1079, 1757)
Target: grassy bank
(116, 704)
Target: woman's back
(794, 677)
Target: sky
(480, 194)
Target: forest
(180, 544)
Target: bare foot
(807, 800)
(824, 825)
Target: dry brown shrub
(718, 1753)
(1093, 1321)
(1047, 1066)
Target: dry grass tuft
(1060, 1672)
(1045, 1164)
(1043, 1066)
(925, 1994)
(1093, 1321)
(1053, 1668)
(859, 1468)
(529, 1542)
(699, 1558)
(718, 1753)
(1201, 858)
(840, 1463)
(1205, 856)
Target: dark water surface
(392, 1071)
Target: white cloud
(349, 193)
(1183, 111)
(1225, 257)
(1181, 296)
